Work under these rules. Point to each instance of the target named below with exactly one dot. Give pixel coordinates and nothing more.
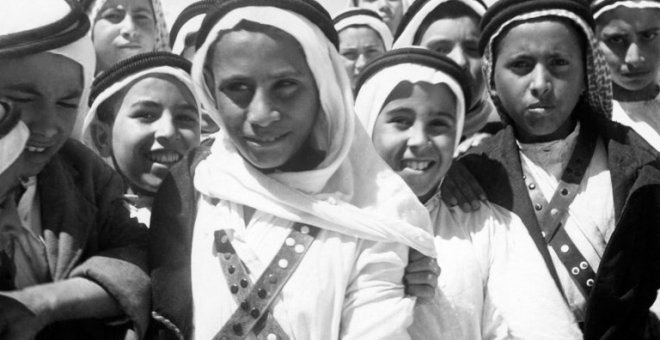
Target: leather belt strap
(551, 215)
(254, 300)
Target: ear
(101, 134)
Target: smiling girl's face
(415, 133)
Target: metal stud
(244, 283)
(584, 265)
(272, 279)
(255, 313)
(575, 270)
(299, 248)
(227, 256)
(564, 192)
(304, 229)
(289, 241)
(538, 206)
(565, 248)
(531, 186)
(245, 306)
(590, 283)
(271, 336)
(231, 269)
(283, 263)
(234, 289)
(237, 328)
(262, 293)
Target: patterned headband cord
(599, 87)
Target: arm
(375, 306)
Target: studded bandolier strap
(551, 216)
(254, 314)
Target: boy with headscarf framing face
(412, 103)
(289, 225)
(587, 189)
(76, 263)
(628, 33)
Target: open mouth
(166, 157)
(265, 140)
(417, 165)
(37, 146)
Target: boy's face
(629, 39)
(358, 46)
(458, 39)
(539, 76)
(415, 133)
(266, 95)
(155, 125)
(123, 29)
(46, 88)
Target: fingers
(460, 187)
(420, 284)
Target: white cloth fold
(352, 191)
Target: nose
(165, 129)
(634, 55)
(359, 63)
(261, 111)
(540, 84)
(417, 137)
(128, 29)
(40, 120)
(458, 55)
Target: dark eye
(615, 40)
(559, 62)
(68, 104)
(240, 92)
(520, 66)
(650, 35)
(188, 119)
(146, 116)
(472, 50)
(439, 126)
(113, 15)
(401, 122)
(350, 55)
(285, 87)
(20, 99)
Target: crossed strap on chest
(551, 216)
(254, 314)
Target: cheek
(103, 34)
(388, 144)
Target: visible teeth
(265, 139)
(417, 165)
(35, 149)
(165, 157)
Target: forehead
(629, 18)
(356, 34)
(159, 88)
(249, 52)
(421, 94)
(45, 73)
(127, 4)
(453, 28)
(546, 35)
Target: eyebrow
(24, 87)
(146, 102)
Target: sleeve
(119, 264)
(375, 306)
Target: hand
(421, 276)
(472, 141)
(17, 320)
(459, 187)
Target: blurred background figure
(124, 28)
(390, 11)
(184, 29)
(363, 36)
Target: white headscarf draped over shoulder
(352, 191)
(377, 87)
(21, 16)
(162, 33)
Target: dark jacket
(89, 233)
(629, 273)
(170, 241)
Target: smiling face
(266, 95)
(123, 28)
(539, 76)
(391, 11)
(358, 46)
(458, 39)
(415, 133)
(46, 89)
(629, 39)
(155, 125)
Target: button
(531, 186)
(237, 328)
(271, 336)
(538, 206)
(564, 192)
(227, 256)
(304, 229)
(234, 289)
(290, 241)
(565, 248)
(244, 283)
(554, 211)
(299, 248)
(584, 265)
(262, 293)
(575, 270)
(283, 263)
(272, 279)
(255, 313)
(231, 269)
(590, 283)
(245, 306)
(543, 233)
